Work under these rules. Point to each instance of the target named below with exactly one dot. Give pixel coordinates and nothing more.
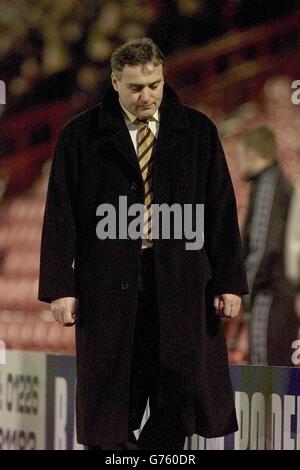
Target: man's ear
(114, 82)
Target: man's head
(137, 76)
(257, 150)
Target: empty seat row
(21, 262)
(19, 293)
(24, 209)
(37, 335)
(20, 234)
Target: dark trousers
(162, 429)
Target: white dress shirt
(133, 128)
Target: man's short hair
(136, 52)
(263, 140)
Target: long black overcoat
(95, 162)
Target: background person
(273, 322)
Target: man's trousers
(162, 429)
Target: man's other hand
(227, 304)
(64, 310)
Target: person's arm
(222, 235)
(57, 276)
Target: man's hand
(227, 304)
(64, 310)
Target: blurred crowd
(52, 50)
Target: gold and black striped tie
(145, 144)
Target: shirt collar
(130, 118)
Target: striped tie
(145, 144)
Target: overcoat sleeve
(57, 277)
(222, 235)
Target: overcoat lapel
(113, 129)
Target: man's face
(140, 89)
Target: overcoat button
(134, 186)
(124, 286)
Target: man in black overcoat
(146, 308)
